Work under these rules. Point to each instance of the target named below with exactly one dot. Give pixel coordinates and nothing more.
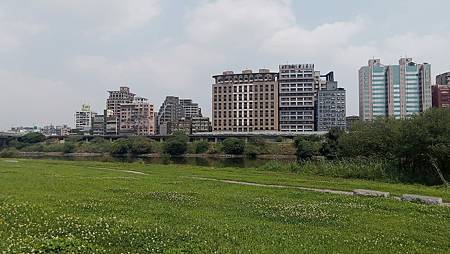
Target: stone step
(422, 199)
(370, 193)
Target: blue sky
(56, 55)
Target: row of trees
(176, 145)
(417, 148)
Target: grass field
(93, 207)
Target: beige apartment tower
(245, 102)
(137, 118)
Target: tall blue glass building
(396, 91)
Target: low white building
(83, 118)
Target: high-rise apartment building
(137, 118)
(83, 118)
(397, 91)
(443, 79)
(297, 89)
(170, 111)
(191, 109)
(330, 105)
(245, 102)
(116, 98)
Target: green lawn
(90, 207)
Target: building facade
(441, 91)
(297, 91)
(98, 125)
(83, 119)
(201, 124)
(52, 130)
(137, 118)
(170, 111)
(245, 102)
(117, 98)
(443, 79)
(441, 96)
(330, 106)
(111, 123)
(397, 91)
(190, 108)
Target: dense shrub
(74, 138)
(252, 150)
(329, 148)
(201, 146)
(32, 138)
(279, 139)
(419, 148)
(69, 147)
(54, 147)
(120, 147)
(33, 148)
(96, 145)
(176, 144)
(140, 145)
(306, 148)
(233, 146)
(215, 148)
(9, 152)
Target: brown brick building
(441, 96)
(245, 102)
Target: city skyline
(58, 56)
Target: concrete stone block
(370, 193)
(422, 199)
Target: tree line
(415, 149)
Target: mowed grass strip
(84, 207)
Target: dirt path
(123, 171)
(349, 193)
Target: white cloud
(100, 18)
(238, 23)
(297, 41)
(14, 33)
(48, 101)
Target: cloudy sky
(57, 54)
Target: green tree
(69, 147)
(120, 147)
(201, 146)
(233, 146)
(329, 148)
(177, 144)
(305, 149)
(140, 145)
(32, 138)
(375, 139)
(423, 147)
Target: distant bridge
(4, 137)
